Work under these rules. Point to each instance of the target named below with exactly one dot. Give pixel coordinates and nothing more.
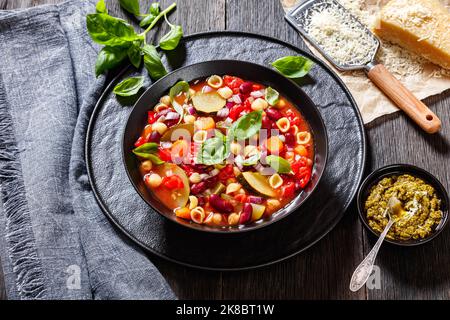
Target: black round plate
(248, 71)
(283, 239)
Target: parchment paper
(424, 80)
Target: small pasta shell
(303, 137)
(233, 187)
(195, 178)
(294, 130)
(215, 82)
(275, 181)
(250, 150)
(198, 215)
(160, 127)
(217, 218)
(283, 124)
(193, 202)
(160, 107)
(189, 119)
(273, 204)
(200, 136)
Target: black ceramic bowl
(398, 169)
(249, 71)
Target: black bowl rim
(396, 169)
(249, 228)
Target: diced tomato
(226, 173)
(151, 117)
(240, 197)
(303, 175)
(256, 87)
(248, 104)
(236, 111)
(164, 155)
(140, 142)
(233, 82)
(288, 189)
(187, 168)
(173, 182)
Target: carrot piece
(184, 213)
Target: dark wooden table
(323, 271)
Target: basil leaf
(100, 7)
(172, 38)
(272, 96)
(249, 161)
(109, 58)
(146, 149)
(293, 66)
(154, 158)
(129, 87)
(134, 54)
(110, 31)
(214, 150)
(280, 164)
(132, 6)
(154, 12)
(246, 126)
(154, 8)
(152, 62)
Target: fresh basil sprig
(272, 96)
(121, 40)
(246, 126)
(293, 66)
(214, 150)
(129, 86)
(147, 151)
(170, 40)
(280, 164)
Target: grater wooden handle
(404, 99)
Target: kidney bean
(198, 187)
(155, 136)
(211, 181)
(230, 105)
(266, 123)
(220, 204)
(246, 213)
(289, 139)
(246, 87)
(273, 114)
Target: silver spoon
(363, 271)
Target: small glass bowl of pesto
(424, 201)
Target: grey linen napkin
(55, 243)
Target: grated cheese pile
(324, 25)
(341, 37)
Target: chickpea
(217, 218)
(259, 104)
(154, 180)
(189, 119)
(160, 127)
(165, 100)
(225, 92)
(146, 165)
(195, 178)
(233, 219)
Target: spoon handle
(363, 271)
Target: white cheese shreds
(343, 39)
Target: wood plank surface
(322, 272)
